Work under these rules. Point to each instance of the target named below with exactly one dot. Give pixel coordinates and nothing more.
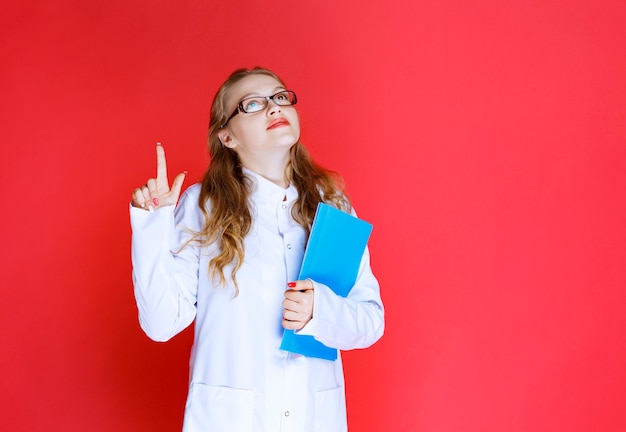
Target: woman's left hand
(298, 304)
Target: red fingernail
(291, 284)
(155, 201)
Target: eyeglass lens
(257, 103)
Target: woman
(228, 254)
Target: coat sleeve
(356, 321)
(165, 277)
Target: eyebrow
(247, 95)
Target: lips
(278, 123)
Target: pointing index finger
(161, 164)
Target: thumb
(177, 184)
(301, 285)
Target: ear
(226, 139)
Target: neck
(272, 167)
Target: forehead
(253, 85)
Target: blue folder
(332, 257)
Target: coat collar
(269, 190)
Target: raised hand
(156, 192)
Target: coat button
(286, 413)
(288, 246)
(284, 206)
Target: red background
(485, 140)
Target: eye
(252, 104)
(281, 98)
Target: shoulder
(187, 210)
(192, 192)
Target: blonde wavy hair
(228, 219)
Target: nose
(273, 107)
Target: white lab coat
(240, 381)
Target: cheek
(246, 133)
(295, 122)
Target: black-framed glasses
(258, 103)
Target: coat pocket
(330, 410)
(216, 408)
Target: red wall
(485, 140)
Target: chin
(286, 142)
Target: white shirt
(240, 380)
